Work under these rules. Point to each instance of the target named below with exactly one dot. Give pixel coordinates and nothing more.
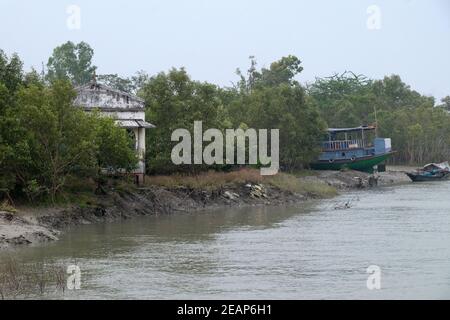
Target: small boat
(353, 148)
(431, 172)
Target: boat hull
(365, 164)
(420, 178)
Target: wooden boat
(431, 172)
(416, 177)
(353, 148)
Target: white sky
(211, 38)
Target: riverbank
(167, 195)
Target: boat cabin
(345, 143)
(355, 148)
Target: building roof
(360, 128)
(95, 85)
(97, 95)
(132, 123)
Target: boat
(353, 148)
(431, 172)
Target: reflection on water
(312, 251)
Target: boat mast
(376, 122)
(362, 138)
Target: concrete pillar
(141, 153)
(136, 138)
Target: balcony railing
(343, 144)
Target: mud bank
(36, 225)
(351, 180)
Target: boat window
(343, 154)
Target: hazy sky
(211, 38)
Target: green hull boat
(361, 164)
(352, 148)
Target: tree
(392, 92)
(62, 141)
(445, 103)
(139, 80)
(286, 108)
(72, 62)
(115, 151)
(12, 144)
(45, 139)
(11, 73)
(175, 101)
(117, 82)
(273, 99)
(279, 72)
(131, 85)
(60, 137)
(344, 100)
(282, 71)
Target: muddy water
(314, 251)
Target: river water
(314, 251)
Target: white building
(128, 109)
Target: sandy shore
(36, 225)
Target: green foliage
(115, 150)
(72, 62)
(284, 107)
(12, 143)
(293, 183)
(131, 85)
(445, 103)
(281, 71)
(264, 99)
(116, 82)
(44, 139)
(344, 100)
(273, 99)
(10, 72)
(60, 137)
(174, 101)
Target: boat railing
(343, 144)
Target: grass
(304, 173)
(78, 191)
(213, 180)
(292, 183)
(18, 280)
(5, 205)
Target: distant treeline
(44, 141)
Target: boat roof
(360, 128)
(442, 166)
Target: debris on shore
(346, 204)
